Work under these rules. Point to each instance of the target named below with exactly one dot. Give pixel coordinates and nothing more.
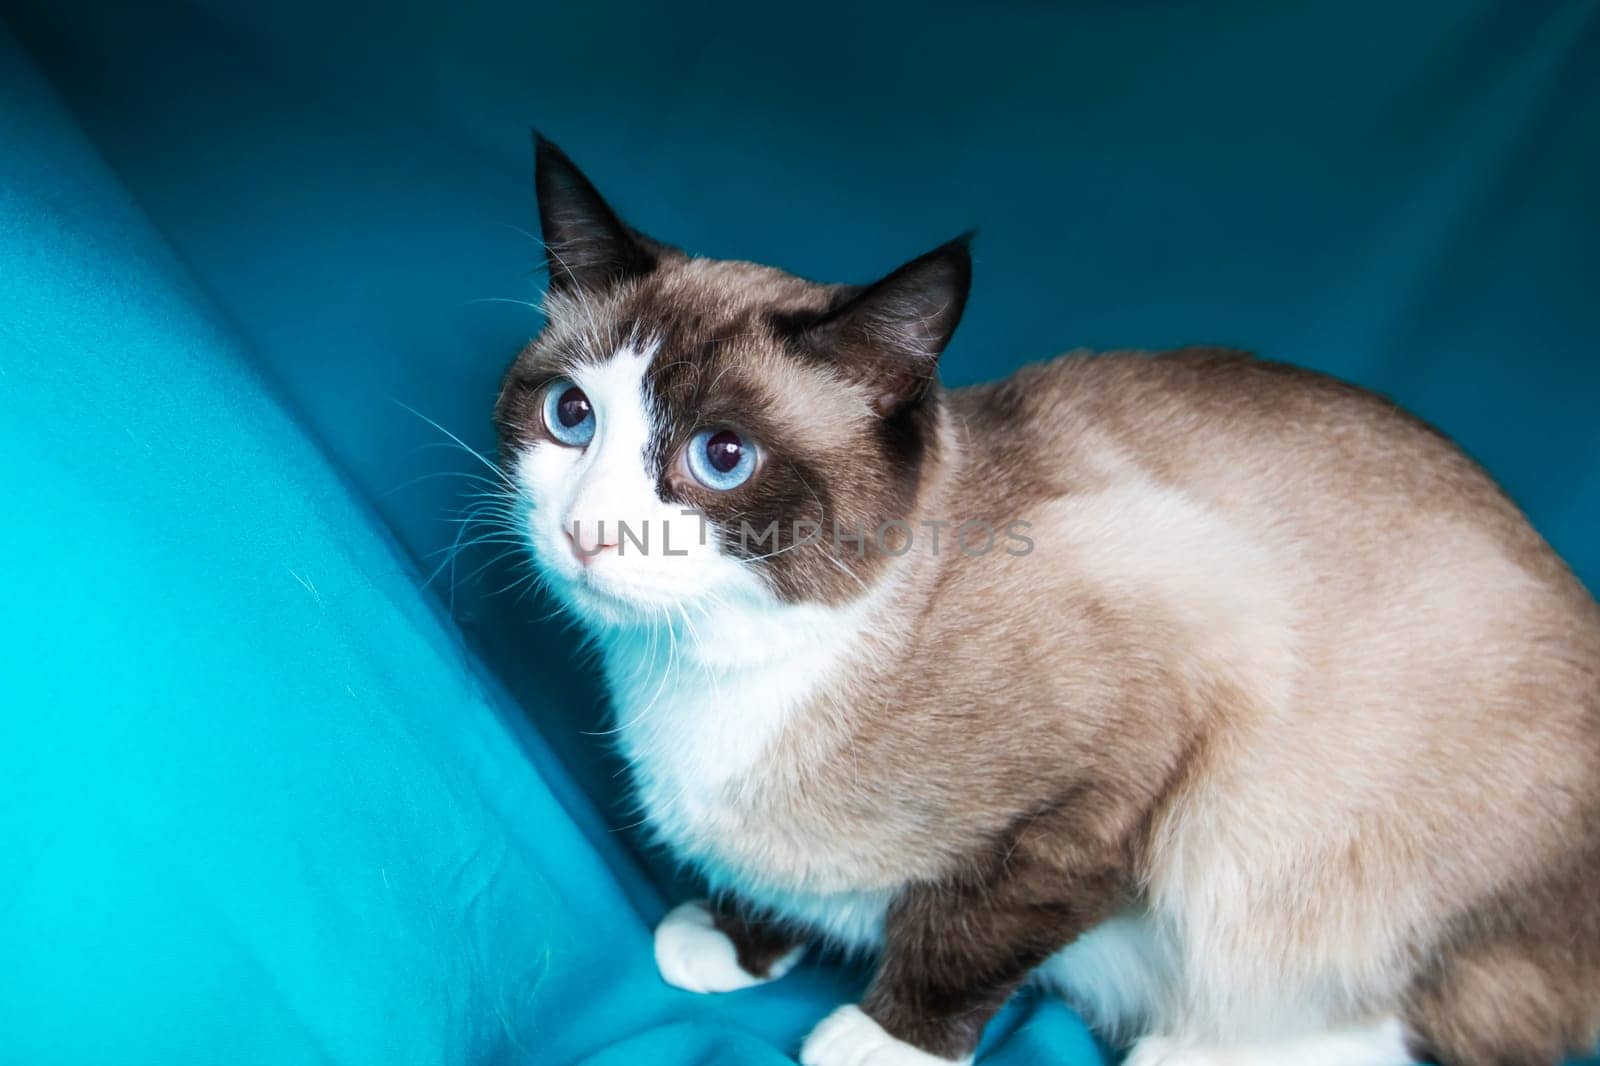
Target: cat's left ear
(588, 247)
(889, 335)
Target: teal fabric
(267, 793)
(259, 802)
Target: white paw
(693, 954)
(847, 1037)
(1165, 1051)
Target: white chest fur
(701, 706)
(693, 730)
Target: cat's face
(693, 432)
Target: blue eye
(721, 459)
(568, 414)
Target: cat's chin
(606, 605)
(599, 607)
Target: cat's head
(696, 431)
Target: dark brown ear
(890, 334)
(587, 246)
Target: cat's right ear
(586, 245)
(890, 334)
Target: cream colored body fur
(1389, 747)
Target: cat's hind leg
(1518, 984)
(1506, 1004)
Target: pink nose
(586, 546)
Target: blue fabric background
(265, 796)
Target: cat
(1228, 699)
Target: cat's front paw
(848, 1037)
(693, 954)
